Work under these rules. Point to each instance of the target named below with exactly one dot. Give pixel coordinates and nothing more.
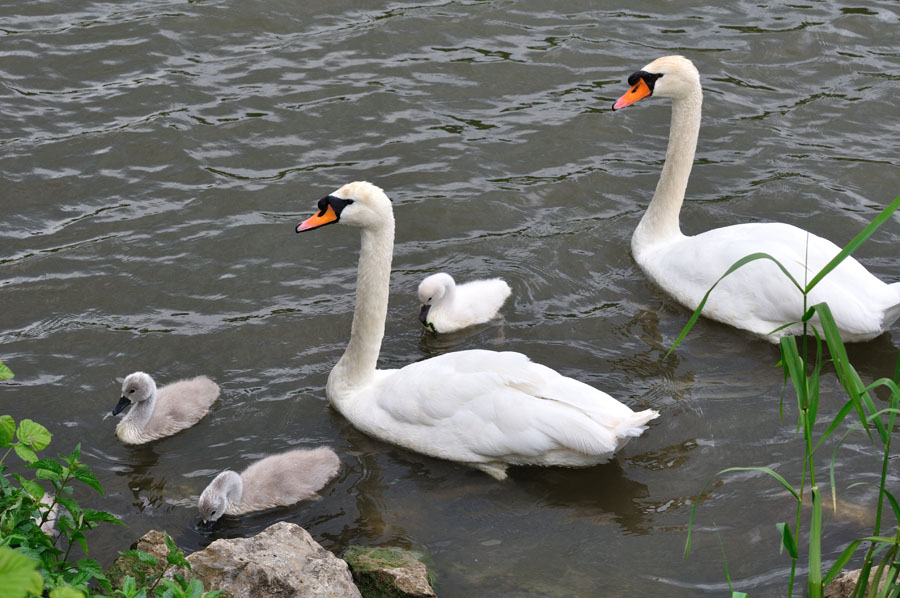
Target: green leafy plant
(160, 587)
(43, 527)
(38, 529)
(5, 372)
(880, 567)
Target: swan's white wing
(758, 296)
(478, 406)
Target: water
(157, 155)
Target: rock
(388, 573)
(842, 586)
(153, 543)
(281, 561)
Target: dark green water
(155, 157)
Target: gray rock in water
(282, 560)
(388, 573)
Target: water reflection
(432, 344)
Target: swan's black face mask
(648, 78)
(642, 84)
(330, 208)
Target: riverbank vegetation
(803, 360)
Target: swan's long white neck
(357, 366)
(139, 414)
(660, 222)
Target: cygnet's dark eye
(131, 392)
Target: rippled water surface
(155, 157)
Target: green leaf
(92, 515)
(47, 465)
(32, 488)
(194, 589)
(33, 434)
(7, 429)
(25, 453)
(18, 576)
(141, 556)
(83, 474)
(66, 592)
(175, 555)
(5, 372)
(787, 539)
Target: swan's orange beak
(639, 91)
(321, 218)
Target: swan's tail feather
(636, 425)
(893, 312)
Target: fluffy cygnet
(448, 307)
(158, 413)
(276, 481)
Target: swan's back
(496, 408)
(286, 478)
(181, 404)
(758, 297)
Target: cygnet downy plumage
(276, 481)
(448, 307)
(158, 413)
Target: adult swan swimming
(757, 297)
(486, 409)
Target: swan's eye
(131, 392)
(649, 78)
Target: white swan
(155, 414)
(276, 481)
(448, 307)
(757, 297)
(483, 408)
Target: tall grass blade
(854, 244)
(766, 470)
(815, 545)
(847, 554)
(846, 373)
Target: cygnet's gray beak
(122, 404)
(423, 314)
(205, 525)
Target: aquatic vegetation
(879, 564)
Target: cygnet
(448, 307)
(158, 413)
(276, 481)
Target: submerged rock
(388, 573)
(282, 560)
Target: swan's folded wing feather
(500, 405)
(758, 296)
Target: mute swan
(155, 414)
(448, 307)
(482, 408)
(757, 297)
(276, 481)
